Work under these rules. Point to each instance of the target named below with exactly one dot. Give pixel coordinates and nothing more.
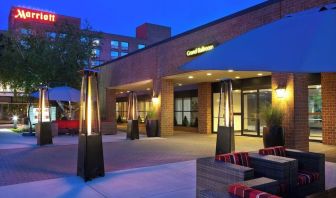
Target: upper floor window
(84, 39)
(123, 53)
(141, 46)
(124, 45)
(96, 62)
(51, 35)
(96, 42)
(115, 44)
(114, 54)
(96, 52)
(25, 31)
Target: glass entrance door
(250, 115)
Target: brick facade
(295, 106)
(109, 126)
(328, 82)
(204, 108)
(166, 97)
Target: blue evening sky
(122, 16)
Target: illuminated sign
(27, 14)
(200, 50)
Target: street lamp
(43, 127)
(90, 163)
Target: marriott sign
(28, 14)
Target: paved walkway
(22, 161)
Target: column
(328, 83)
(109, 125)
(204, 108)
(295, 106)
(164, 108)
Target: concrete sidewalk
(176, 180)
(163, 181)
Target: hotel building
(188, 100)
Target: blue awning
(63, 93)
(303, 42)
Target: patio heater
(43, 127)
(90, 163)
(225, 132)
(132, 117)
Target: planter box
(273, 136)
(152, 128)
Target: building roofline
(228, 17)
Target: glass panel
(194, 119)
(124, 45)
(194, 104)
(141, 46)
(114, 54)
(123, 53)
(237, 123)
(250, 113)
(186, 104)
(178, 104)
(215, 111)
(186, 119)
(265, 99)
(178, 118)
(315, 112)
(114, 44)
(236, 97)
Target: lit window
(124, 45)
(96, 42)
(141, 46)
(96, 62)
(62, 35)
(115, 44)
(25, 31)
(123, 53)
(51, 35)
(96, 52)
(114, 54)
(84, 39)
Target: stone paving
(33, 163)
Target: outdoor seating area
(65, 127)
(294, 173)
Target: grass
(20, 129)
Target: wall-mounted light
(280, 92)
(155, 100)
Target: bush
(185, 121)
(273, 116)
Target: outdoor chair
(308, 176)
(216, 174)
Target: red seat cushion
(276, 150)
(307, 177)
(243, 191)
(239, 158)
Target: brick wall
(109, 126)
(295, 106)
(204, 108)
(328, 82)
(167, 108)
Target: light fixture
(148, 89)
(15, 119)
(280, 92)
(121, 92)
(218, 79)
(128, 91)
(230, 70)
(237, 77)
(179, 84)
(155, 100)
(190, 77)
(260, 74)
(43, 127)
(209, 74)
(90, 163)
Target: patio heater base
(90, 163)
(132, 129)
(43, 133)
(225, 140)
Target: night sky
(122, 16)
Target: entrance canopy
(303, 42)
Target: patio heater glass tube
(43, 115)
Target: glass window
(141, 46)
(114, 54)
(186, 112)
(25, 31)
(123, 53)
(96, 63)
(144, 108)
(114, 44)
(124, 45)
(84, 39)
(96, 52)
(121, 111)
(315, 112)
(51, 35)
